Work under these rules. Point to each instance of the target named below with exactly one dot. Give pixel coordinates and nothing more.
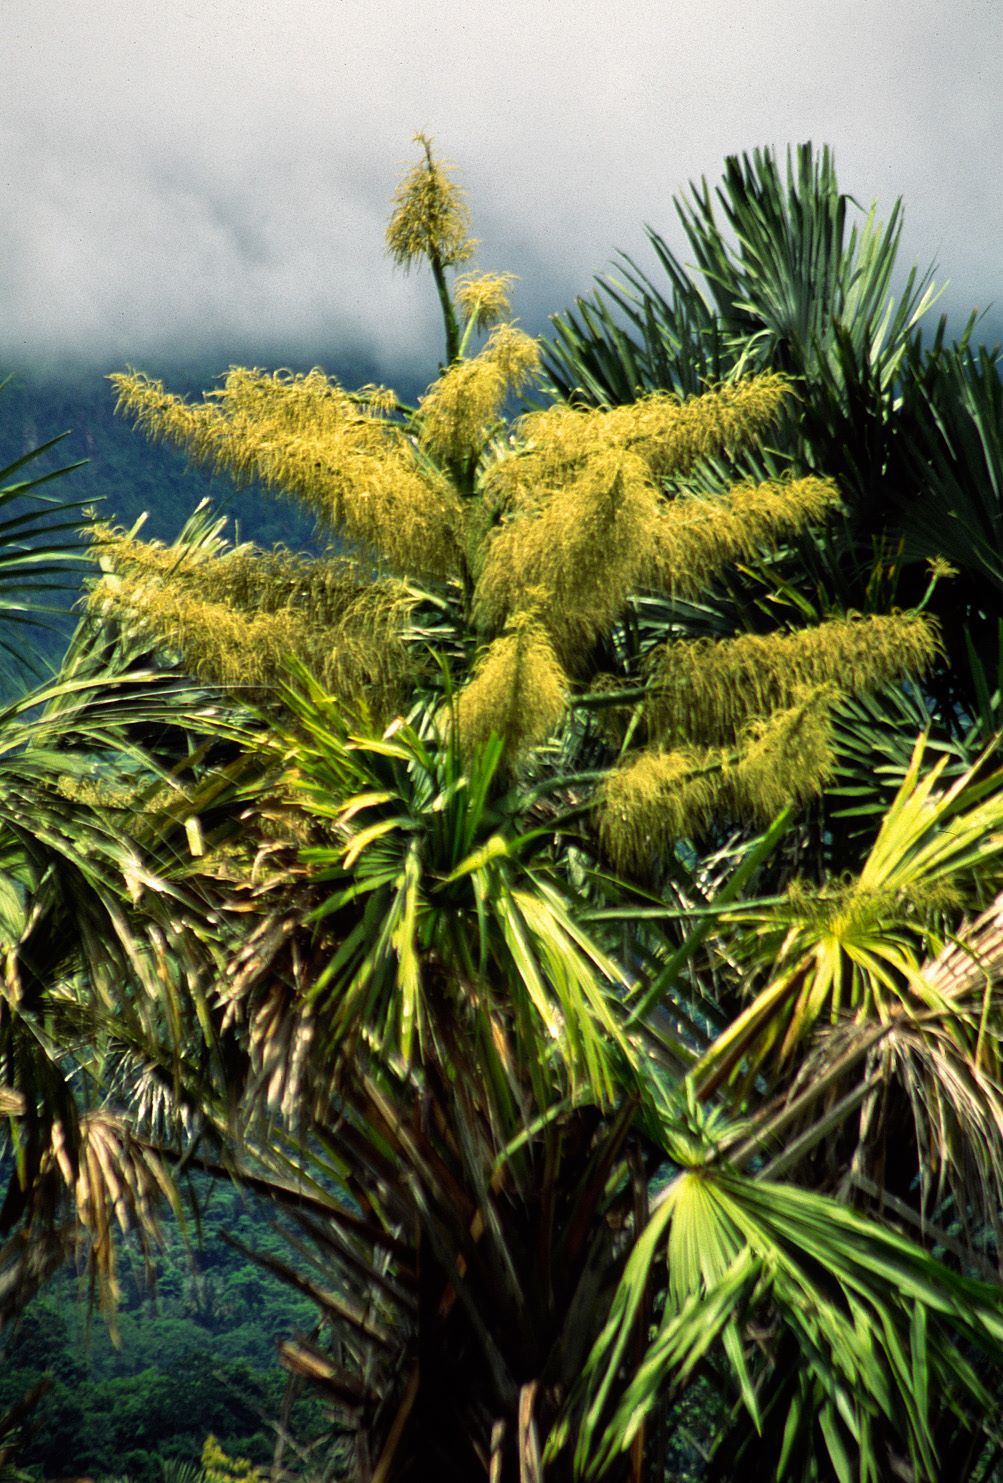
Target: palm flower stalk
(535, 538)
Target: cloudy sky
(193, 180)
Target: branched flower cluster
(537, 537)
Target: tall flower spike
(431, 219)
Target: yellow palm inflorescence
(483, 298)
(430, 219)
(519, 690)
(658, 796)
(539, 540)
(306, 436)
(669, 434)
(460, 410)
(709, 689)
(694, 539)
(237, 617)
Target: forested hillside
(194, 1355)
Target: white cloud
(185, 180)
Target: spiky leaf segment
(306, 436)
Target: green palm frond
(857, 948)
(41, 550)
(833, 1331)
(432, 899)
(786, 279)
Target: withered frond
(583, 550)
(458, 411)
(306, 436)
(431, 218)
(519, 691)
(709, 690)
(695, 538)
(112, 1182)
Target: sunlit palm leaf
(41, 550)
(433, 900)
(874, 1321)
(858, 948)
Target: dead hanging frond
(709, 690)
(88, 1188)
(669, 435)
(306, 436)
(583, 549)
(459, 410)
(659, 797)
(695, 538)
(430, 218)
(519, 691)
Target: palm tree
(540, 1212)
(98, 769)
(450, 982)
(537, 1218)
